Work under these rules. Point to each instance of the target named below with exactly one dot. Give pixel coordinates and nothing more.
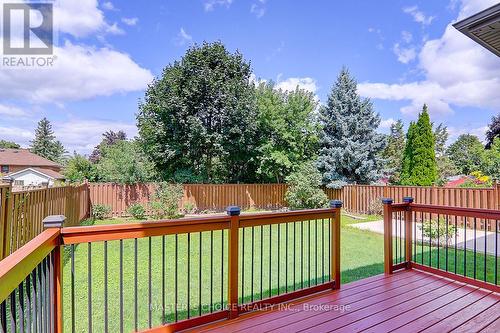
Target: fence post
(496, 194)
(387, 202)
(6, 220)
(408, 231)
(336, 206)
(233, 245)
(56, 221)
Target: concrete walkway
(378, 227)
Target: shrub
(169, 195)
(157, 210)
(189, 207)
(100, 212)
(430, 230)
(375, 207)
(304, 188)
(137, 211)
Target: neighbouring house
(24, 168)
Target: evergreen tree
(349, 144)
(424, 169)
(45, 143)
(406, 164)
(393, 152)
(445, 167)
(441, 136)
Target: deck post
(56, 221)
(336, 206)
(233, 244)
(408, 231)
(6, 207)
(387, 202)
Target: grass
(361, 256)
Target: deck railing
(459, 243)
(174, 273)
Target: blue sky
(403, 53)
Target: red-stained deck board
(326, 321)
(407, 301)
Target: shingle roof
(24, 157)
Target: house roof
(484, 28)
(24, 157)
(46, 172)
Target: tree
(466, 153)
(78, 168)
(393, 152)
(424, 169)
(349, 142)
(304, 188)
(491, 159)
(493, 131)
(199, 117)
(407, 163)
(109, 139)
(9, 144)
(124, 162)
(288, 131)
(445, 167)
(45, 143)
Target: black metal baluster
(286, 258)
(401, 247)
(278, 261)
(163, 276)
(105, 286)
(13, 317)
(430, 240)
(35, 302)
(329, 250)
(322, 250)
(485, 224)
(414, 220)
(309, 252)
(294, 255)
(136, 312)
(496, 252)
(50, 286)
(211, 270)
(243, 265)
(455, 246)
(465, 246)
(252, 264)
(475, 252)
(199, 274)
(188, 275)
(41, 302)
(438, 241)
(3, 316)
(270, 259)
(150, 286)
(21, 306)
(121, 285)
(446, 243)
(176, 278)
(89, 282)
(302, 254)
(222, 271)
(422, 237)
(261, 259)
(395, 255)
(28, 304)
(316, 252)
(72, 250)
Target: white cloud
(386, 123)
(131, 21)
(406, 36)
(480, 132)
(19, 135)
(108, 5)
(114, 29)
(210, 5)
(83, 135)
(380, 37)
(418, 15)
(404, 54)
(456, 70)
(258, 8)
(11, 111)
(291, 84)
(78, 18)
(183, 37)
(79, 72)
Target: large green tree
(393, 152)
(287, 129)
(445, 167)
(491, 159)
(419, 161)
(79, 168)
(199, 117)
(109, 138)
(349, 143)
(45, 143)
(466, 153)
(9, 144)
(493, 131)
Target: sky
(403, 53)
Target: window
(5, 169)
(19, 182)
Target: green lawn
(302, 263)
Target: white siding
(31, 178)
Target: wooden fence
(21, 213)
(361, 199)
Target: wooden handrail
(489, 214)
(16, 267)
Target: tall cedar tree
(349, 143)
(493, 131)
(45, 143)
(199, 118)
(393, 152)
(419, 164)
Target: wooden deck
(407, 301)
